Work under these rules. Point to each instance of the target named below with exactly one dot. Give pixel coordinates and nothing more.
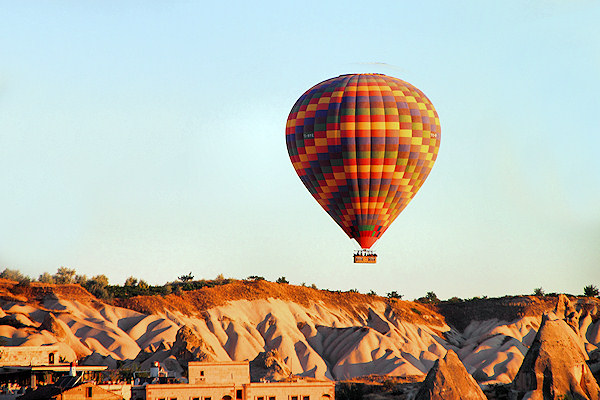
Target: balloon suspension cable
(365, 256)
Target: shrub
(538, 292)
(14, 275)
(394, 295)
(131, 281)
(591, 291)
(80, 279)
(46, 278)
(186, 278)
(372, 293)
(98, 286)
(282, 280)
(64, 275)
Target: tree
(538, 292)
(80, 279)
(14, 275)
(282, 280)
(143, 285)
(394, 295)
(432, 298)
(131, 281)
(46, 278)
(64, 275)
(186, 278)
(97, 286)
(591, 291)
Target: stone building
(29, 355)
(229, 381)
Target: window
(196, 398)
(294, 398)
(260, 398)
(207, 398)
(305, 397)
(201, 373)
(162, 399)
(51, 358)
(271, 397)
(88, 391)
(238, 394)
(173, 398)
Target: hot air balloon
(363, 144)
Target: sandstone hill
(298, 330)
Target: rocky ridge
(302, 331)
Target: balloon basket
(365, 257)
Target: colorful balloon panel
(363, 145)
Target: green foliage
(46, 278)
(372, 293)
(313, 286)
(64, 275)
(80, 279)
(353, 291)
(255, 278)
(97, 286)
(539, 292)
(455, 300)
(349, 391)
(282, 280)
(394, 295)
(432, 297)
(416, 311)
(131, 281)
(14, 275)
(186, 278)
(591, 291)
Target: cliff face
(315, 333)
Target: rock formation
(189, 346)
(555, 366)
(449, 380)
(269, 366)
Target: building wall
(191, 392)
(83, 392)
(301, 390)
(218, 373)
(122, 390)
(28, 355)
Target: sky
(147, 139)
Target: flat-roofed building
(218, 372)
(231, 381)
(29, 355)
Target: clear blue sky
(147, 138)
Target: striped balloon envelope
(363, 145)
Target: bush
(131, 281)
(98, 286)
(372, 293)
(282, 280)
(64, 275)
(46, 278)
(591, 291)
(14, 275)
(538, 292)
(455, 300)
(394, 295)
(186, 278)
